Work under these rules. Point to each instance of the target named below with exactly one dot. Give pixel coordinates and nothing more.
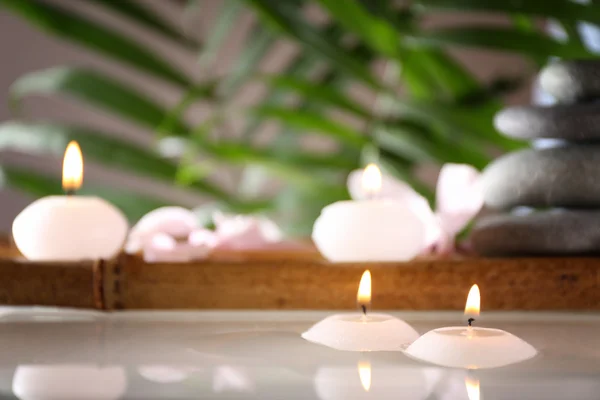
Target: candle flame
(473, 302)
(363, 297)
(72, 167)
(371, 180)
(364, 372)
(472, 385)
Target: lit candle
(374, 229)
(70, 227)
(363, 331)
(470, 346)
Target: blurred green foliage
(431, 109)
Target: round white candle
(70, 227)
(356, 332)
(362, 332)
(33, 382)
(480, 348)
(470, 347)
(369, 230)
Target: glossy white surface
(260, 355)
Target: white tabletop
(68, 354)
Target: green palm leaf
(96, 89)
(559, 9)
(133, 204)
(434, 110)
(286, 18)
(143, 16)
(101, 147)
(90, 34)
(503, 39)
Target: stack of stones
(549, 196)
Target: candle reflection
(228, 378)
(472, 385)
(165, 373)
(364, 372)
(367, 380)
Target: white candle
(70, 227)
(470, 347)
(364, 331)
(33, 382)
(369, 230)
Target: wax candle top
(473, 302)
(363, 296)
(371, 180)
(72, 176)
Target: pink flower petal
(202, 242)
(203, 237)
(164, 248)
(243, 232)
(174, 221)
(459, 196)
(163, 242)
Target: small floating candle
(70, 227)
(372, 229)
(362, 331)
(468, 346)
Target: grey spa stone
(553, 232)
(572, 81)
(567, 176)
(578, 122)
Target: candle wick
(70, 192)
(364, 309)
(470, 321)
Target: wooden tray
(302, 280)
